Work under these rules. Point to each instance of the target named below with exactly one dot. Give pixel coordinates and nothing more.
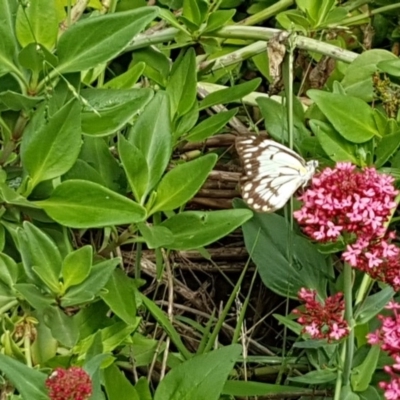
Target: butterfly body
(272, 172)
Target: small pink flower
(322, 321)
(69, 384)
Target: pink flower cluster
(354, 205)
(322, 321)
(388, 337)
(69, 384)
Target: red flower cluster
(69, 384)
(355, 205)
(388, 337)
(322, 321)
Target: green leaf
(43, 150)
(83, 204)
(136, 169)
(86, 291)
(76, 266)
(208, 373)
(37, 23)
(391, 67)
(44, 256)
(387, 146)
(120, 297)
(230, 94)
(357, 79)
(95, 40)
(357, 126)
(117, 385)
(44, 346)
(194, 11)
(17, 102)
(31, 386)
(316, 377)
(114, 109)
(218, 19)
(362, 374)
(151, 134)
(181, 183)
(182, 83)
(244, 389)
(34, 296)
(335, 146)
(163, 320)
(210, 126)
(373, 305)
(9, 270)
(194, 229)
(8, 43)
(127, 79)
(63, 327)
(35, 57)
(270, 234)
(142, 387)
(155, 236)
(96, 152)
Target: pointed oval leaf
(43, 150)
(76, 266)
(181, 183)
(95, 40)
(84, 204)
(356, 124)
(194, 229)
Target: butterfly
(272, 172)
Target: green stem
(348, 300)
(361, 17)
(267, 13)
(339, 379)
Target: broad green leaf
(336, 147)
(316, 377)
(357, 126)
(208, 373)
(76, 266)
(136, 169)
(151, 134)
(36, 58)
(120, 297)
(230, 94)
(127, 79)
(268, 238)
(8, 44)
(362, 374)
(17, 102)
(83, 171)
(295, 19)
(9, 270)
(373, 305)
(117, 385)
(62, 326)
(83, 204)
(194, 11)
(157, 64)
(246, 388)
(43, 151)
(7, 297)
(182, 83)
(31, 386)
(44, 346)
(86, 291)
(194, 229)
(142, 387)
(181, 183)
(38, 300)
(114, 109)
(98, 39)
(96, 152)
(185, 123)
(357, 79)
(218, 19)
(210, 126)
(387, 146)
(168, 327)
(44, 256)
(155, 236)
(391, 67)
(37, 23)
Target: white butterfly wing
(273, 172)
